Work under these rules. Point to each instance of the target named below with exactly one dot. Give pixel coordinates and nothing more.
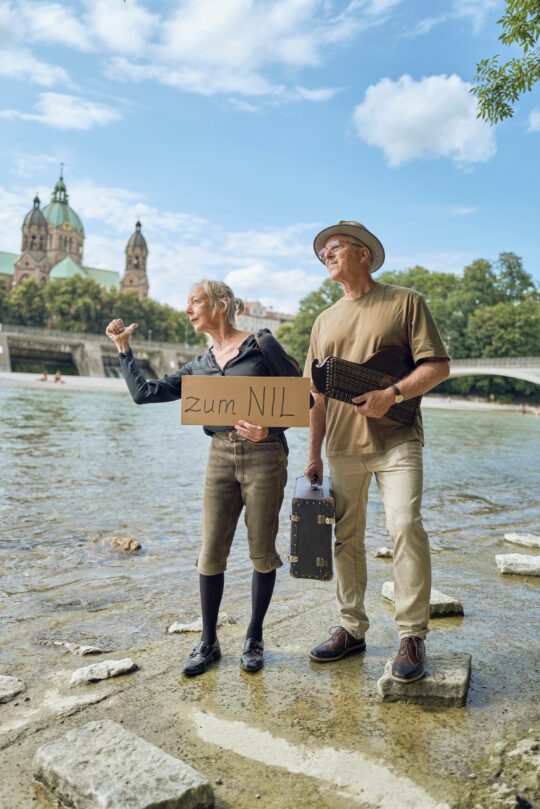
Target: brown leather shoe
(410, 662)
(339, 644)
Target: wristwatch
(399, 395)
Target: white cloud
(210, 47)
(67, 112)
(429, 118)
(121, 27)
(261, 281)
(476, 11)
(9, 24)
(244, 106)
(21, 64)
(32, 164)
(534, 121)
(291, 241)
(460, 210)
(56, 24)
(321, 94)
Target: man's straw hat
(357, 231)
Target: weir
(34, 350)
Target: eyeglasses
(337, 244)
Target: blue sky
(236, 129)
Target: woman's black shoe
(201, 657)
(252, 658)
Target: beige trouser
(398, 472)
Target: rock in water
(528, 540)
(445, 685)
(196, 625)
(104, 766)
(523, 564)
(10, 687)
(439, 603)
(127, 544)
(384, 553)
(102, 671)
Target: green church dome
(58, 212)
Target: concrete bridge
(525, 368)
(23, 348)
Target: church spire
(60, 191)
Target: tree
(513, 283)
(499, 86)
(506, 330)
(26, 304)
(296, 335)
(75, 304)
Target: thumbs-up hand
(120, 334)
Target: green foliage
(74, 304)
(26, 304)
(513, 282)
(499, 86)
(296, 335)
(80, 304)
(505, 330)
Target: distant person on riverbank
(363, 441)
(522, 409)
(58, 378)
(44, 377)
(247, 463)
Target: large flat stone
(445, 685)
(10, 687)
(528, 540)
(523, 564)
(439, 603)
(104, 766)
(103, 670)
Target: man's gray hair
(220, 293)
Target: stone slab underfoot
(522, 564)
(10, 687)
(528, 540)
(445, 684)
(104, 766)
(439, 603)
(103, 671)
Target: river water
(77, 467)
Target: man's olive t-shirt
(353, 330)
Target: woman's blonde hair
(220, 293)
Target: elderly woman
(247, 463)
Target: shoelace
(409, 646)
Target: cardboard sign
(269, 401)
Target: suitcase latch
(295, 518)
(293, 559)
(322, 520)
(320, 561)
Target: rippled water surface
(77, 467)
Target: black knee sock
(211, 590)
(262, 587)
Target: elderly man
(362, 441)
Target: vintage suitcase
(312, 519)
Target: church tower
(135, 277)
(33, 262)
(66, 233)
